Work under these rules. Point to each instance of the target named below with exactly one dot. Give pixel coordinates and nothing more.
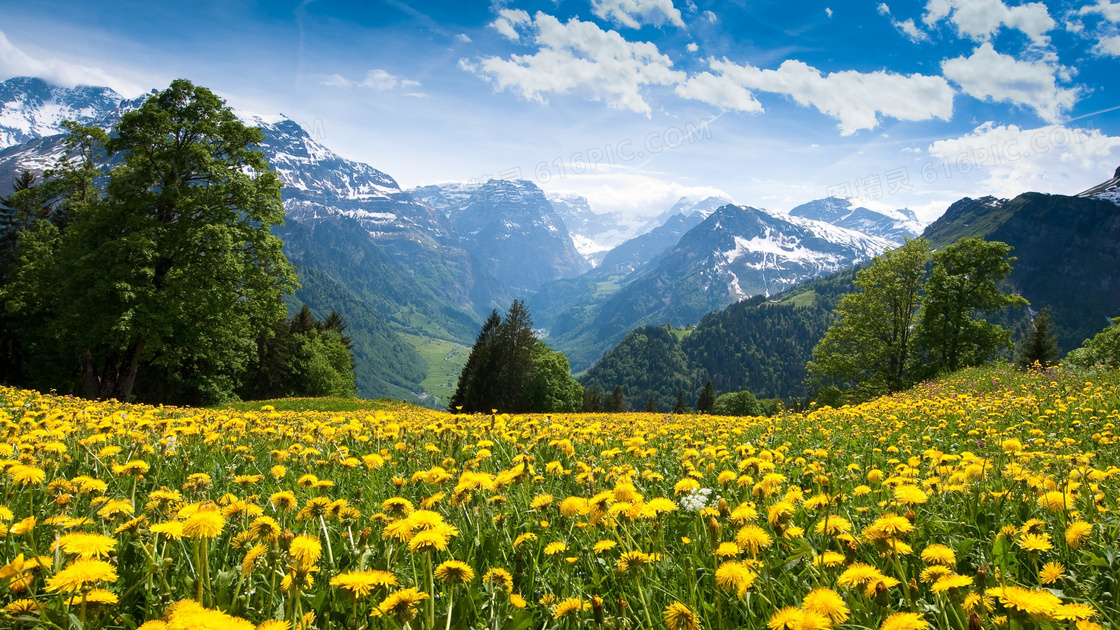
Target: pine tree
(1041, 345)
(616, 401)
(592, 399)
(514, 343)
(474, 393)
(303, 321)
(707, 399)
(651, 406)
(682, 404)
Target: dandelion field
(984, 500)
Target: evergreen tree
(308, 359)
(476, 390)
(303, 321)
(962, 289)
(514, 345)
(592, 399)
(682, 404)
(651, 405)
(1041, 344)
(706, 399)
(616, 401)
(869, 345)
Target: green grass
(801, 299)
(681, 333)
(318, 404)
(606, 287)
(445, 360)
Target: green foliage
(706, 399)
(737, 404)
(681, 405)
(163, 282)
(1041, 345)
(552, 388)
(322, 364)
(301, 357)
(868, 347)
(509, 370)
(831, 396)
(648, 363)
(592, 399)
(963, 287)
(616, 401)
(1102, 350)
(477, 388)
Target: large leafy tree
(963, 288)
(551, 389)
(868, 347)
(169, 276)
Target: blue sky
(634, 103)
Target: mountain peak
(1109, 190)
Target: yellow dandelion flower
(80, 574)
(680, 617)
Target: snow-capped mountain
(687, 205)
(447, 198)
(893, 225)
(1109, 190)
(593, 233)
(740, 251)
(31, 108)
(512, 226)
(735, 253)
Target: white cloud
(632, 13)
(1108, 46)
(375, 79)
(507, 22)
(828, 11)
(15, 62)
(1110, 10)
(721, 91)
(577, 55)
(989, 75)
(711, 17)
(907, 27)
(463, 38)
(855, 98)
(1009, 160)
(692, 47)
(910, 29)
(1108, 43)
(630, 193)
(980, 19)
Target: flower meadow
(987, 499)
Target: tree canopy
(162, 281)
(902, 326)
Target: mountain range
(415, 271)
(1067, 251)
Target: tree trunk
(117, 377)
